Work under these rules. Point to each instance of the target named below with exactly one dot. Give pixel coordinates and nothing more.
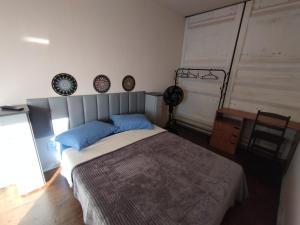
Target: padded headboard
(81, 109)
(76, 110)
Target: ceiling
(190, 7)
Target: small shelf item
(101, 83)
(128, 83)
(12, 108)
(64, 84)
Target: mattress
(153, 177)
(71, 157)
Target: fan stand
(171, 121)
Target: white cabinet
(19, 161)
(155, 108)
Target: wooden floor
(55, 203)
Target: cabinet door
(20, 163)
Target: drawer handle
(233, 143)
(234, 135)
(235, 127)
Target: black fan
(173, 96)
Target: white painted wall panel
(288, 212)
(86, 38)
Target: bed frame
(78, 110)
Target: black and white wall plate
(64, 84)
(101, 83)
(128, 83)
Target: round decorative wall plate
(64, 84)
(128, 83)
(101, 83)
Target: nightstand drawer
(225, 135)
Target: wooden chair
(269, 128)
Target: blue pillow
(85, 135)
(131, 122)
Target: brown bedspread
(161, 180)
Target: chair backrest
(268, 127)
(272, 121)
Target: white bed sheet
(72, 157)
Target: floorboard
(55, 204)
(51, 205)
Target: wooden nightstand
(226, 134)
(156, 109)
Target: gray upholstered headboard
(77, 110)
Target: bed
(150, 177)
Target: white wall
(290, 194)
(87, 38)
